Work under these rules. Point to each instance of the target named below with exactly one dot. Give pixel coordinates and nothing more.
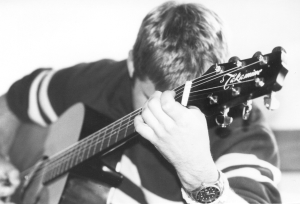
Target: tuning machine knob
(271, 101)
(247, 109)
(224, 120)
(236, 91)
(259, 82)
(212, 99)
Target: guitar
(70, 146)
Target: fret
(131, 129)
(72, 157)
(46, 173)
(64, 165)
(58, 165)
(86, 153)
(130, 123)
(47, 176)
(90, 144)
(79, 156)
(96, 140)
(101, 139)
(105, 141)
(123, 129)
(118, 130)
(51, 175)
(111, 133)
(53, 172)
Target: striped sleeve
(28, 98)
(249, 166)
(253, 179)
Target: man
(177, 153)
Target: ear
(130, 64)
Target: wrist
(191, 178)
(213, 193)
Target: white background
(61, 33)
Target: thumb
(194, 107)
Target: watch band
(222, 184)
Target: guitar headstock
(238, 82)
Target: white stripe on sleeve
(44, 99)
(236, 159)
(33, 108)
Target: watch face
(208, 194)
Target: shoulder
(101, 68)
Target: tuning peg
(224, 120)
(257, 54)
(259, 82)
(236, 60)
(218, 69)
(271, 102)
(263, 60)
(247, 109)
(278, 49)
(212, 99)
(236, 91)
(283, 55)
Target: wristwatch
(213, 193)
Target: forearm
(9, 125)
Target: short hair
(178, 42)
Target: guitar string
(40, 173)
(90, 139)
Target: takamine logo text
(231, 79)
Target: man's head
(178, 42)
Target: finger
(6, 191)
(193, 107)
(6, 200)
(171, 107)
(155, 106)
(149, 118)
(14, 178)
(143, 129)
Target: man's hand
(9, 179)
(181, 135)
